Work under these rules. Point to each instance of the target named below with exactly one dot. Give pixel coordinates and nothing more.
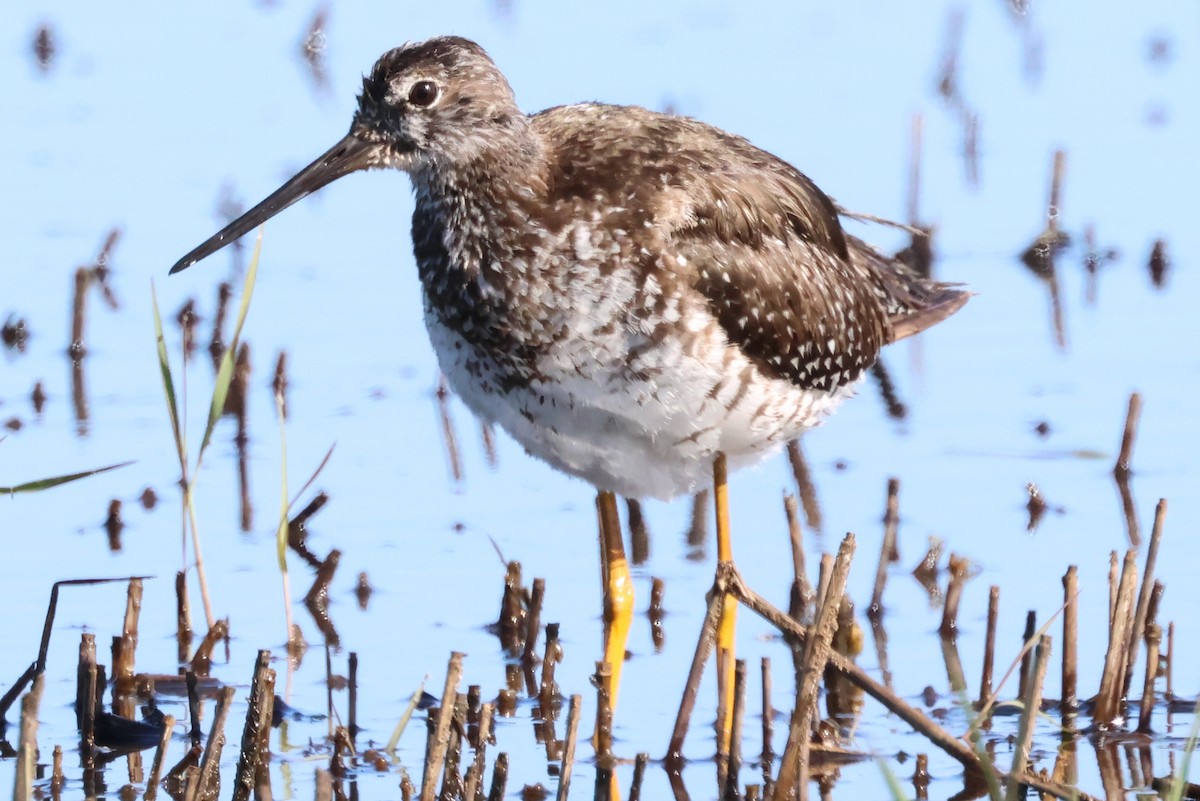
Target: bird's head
(432, 104)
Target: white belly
(643, 427)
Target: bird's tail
(914, 302)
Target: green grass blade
(47, 483)
(164, 365)
(895, 788)
(1180, 781)
(281, 534)
(225, 371)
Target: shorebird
(633, 296)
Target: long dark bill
(347, 156)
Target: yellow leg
(618, 590)
(728, 621)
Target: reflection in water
(1040, 255)
(804, 483)
(1159, 264)
(79, 399)
(312, 50)
(113, 525)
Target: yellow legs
(618, 590)
(728, 621)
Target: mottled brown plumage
(626, 292)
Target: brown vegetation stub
(733, 771)
(805, 486)
(209, 778)
(817, 651)
(1032, 703)
(768, 723)
(27, 750)
(441, 738)
(1153, 640)
(568, 756)
(802, 591)
(887, 552)
(921, 777)
(533, 622)
(989, 645)
(1026, 653)
(254, 751)
(673, 761)
(1108, 699)
(639, 533)
(448, 436)
(656, 613)
(499, 778)
(183, 616)
(160, 755)
(639, 773)
(1146, 590)
(959, 568)
(1070, 667)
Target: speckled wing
(766, 250)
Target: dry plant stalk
(568, 757)
(1070, 667)
(1147, 589)
(817, 651)
(733, 770)
(160, 755)
(989, 645)
(27, 750)
(959, 569)
(254, 751)
(1032, 701)
(1108, 700)
(441, 736)
(208, 779)
(887, 551)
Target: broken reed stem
(1147, 589)
(1070, 667)
(1153, 639)
(568, 757)
(891, 522)
(1113, 568)
(441, 736)
(793, 771)
(552, 657)
(1123, 467)
(735, 740)
(160, 755)
(1027, 642)
(768, 722)
(729, 580)
(1032, 701)
(27, 750)
(603, 736)
(704, 646)
(257, 730)
(85, 692)
(1056, 181)
(959, 573)
(533, 621)
(989, 647)
(208, 777)
(804, 484)
(499, 778)
(351, 694)
(639, 773)
(802, 591)
(1108, 699)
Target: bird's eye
(423, 93)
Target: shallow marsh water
(143, 115)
